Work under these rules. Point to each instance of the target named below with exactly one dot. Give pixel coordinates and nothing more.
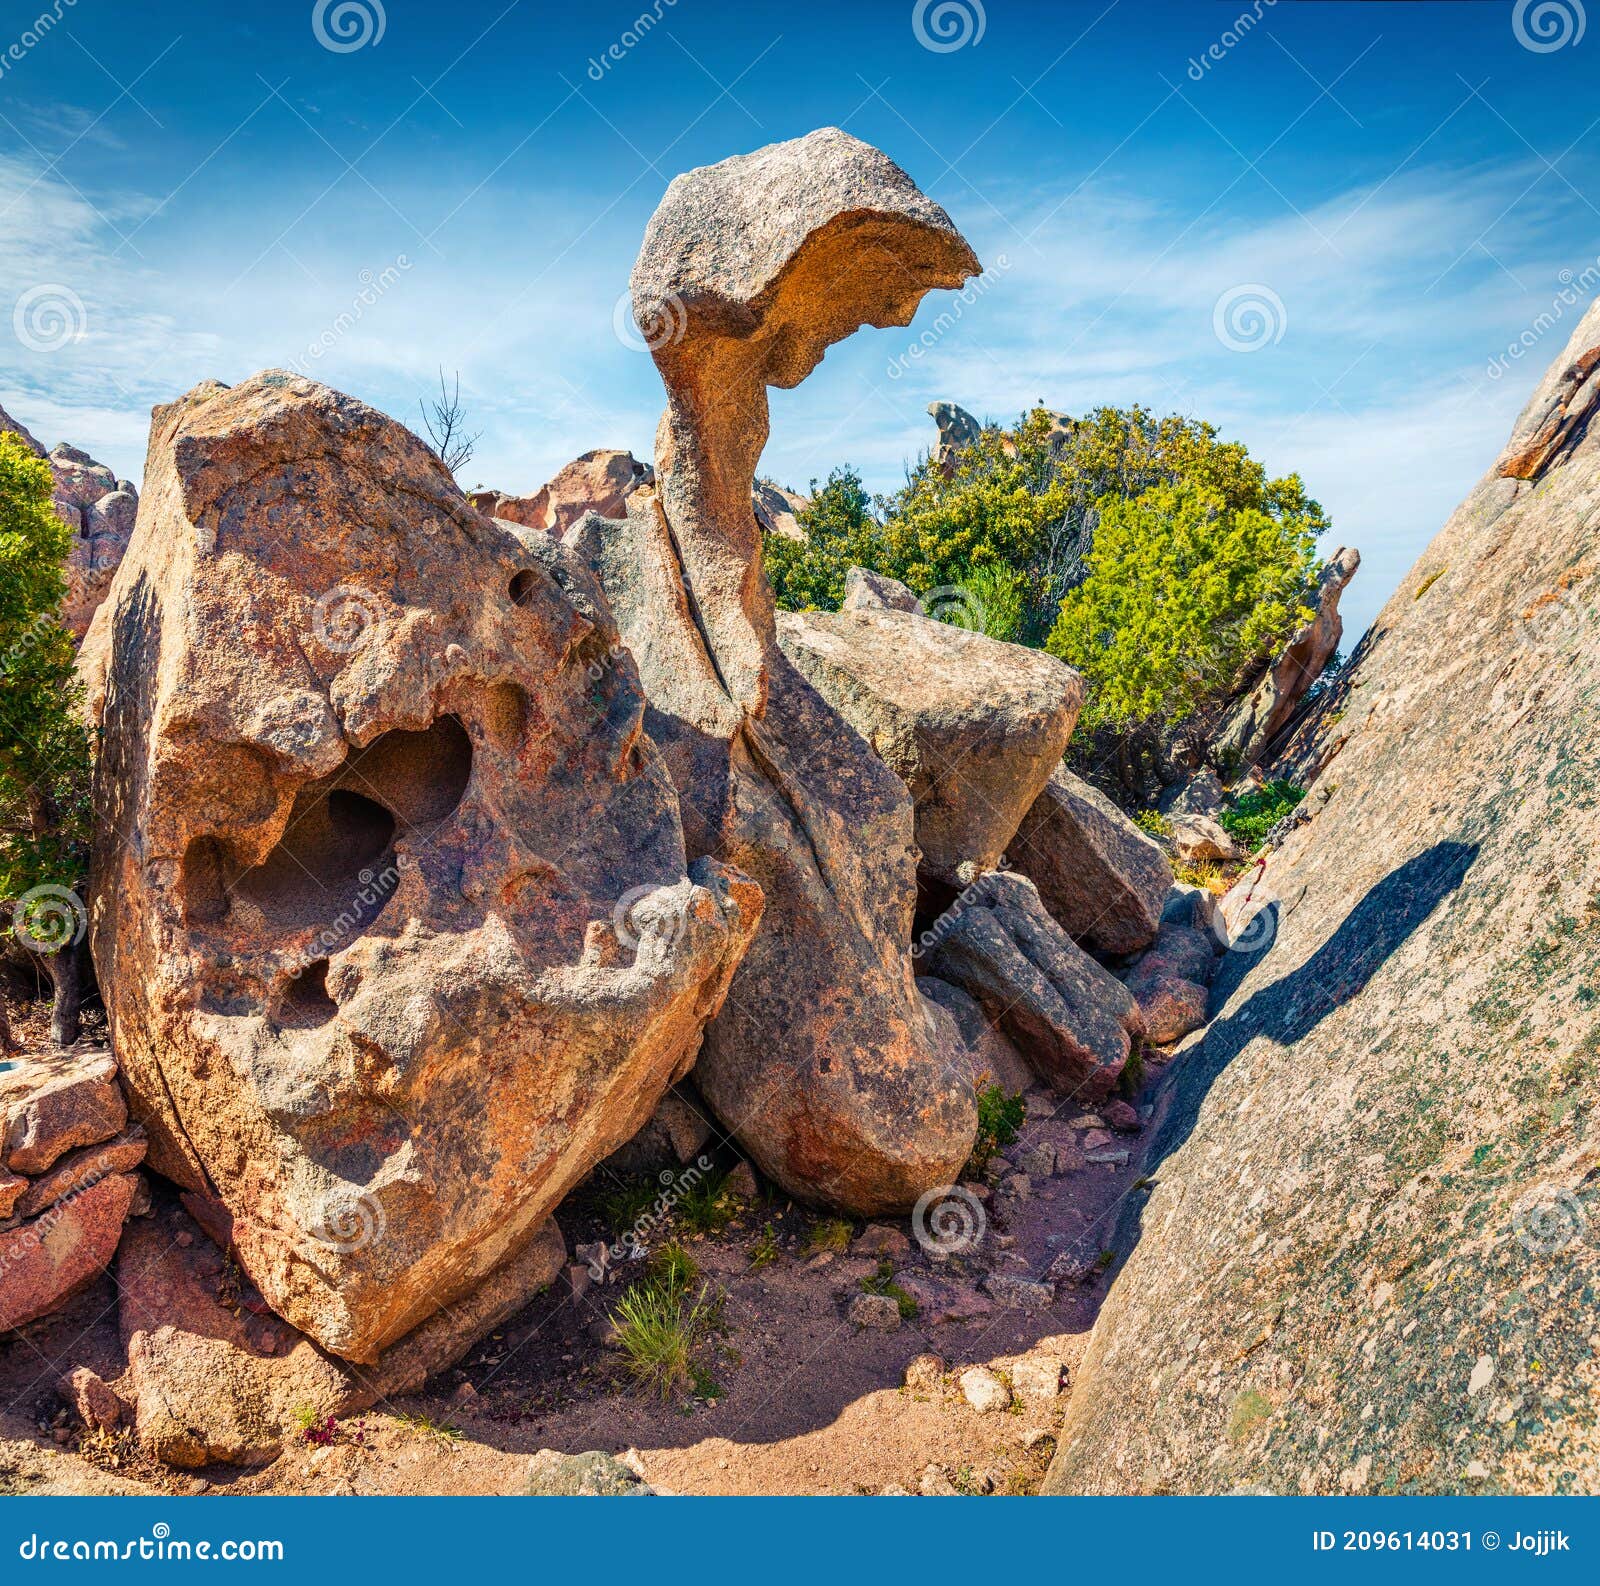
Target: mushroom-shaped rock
(839, 1080)
(974, 726)
(392, 910)
(749, 271)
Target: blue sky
(1316, 231)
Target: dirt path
(794, 1397)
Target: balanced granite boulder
(392, 912)
(1101, 878)
(1368, 1259)
(865, 590)
(836, 1078)
(974, 727)
(1074, 1021)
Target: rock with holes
(1101, 878)
(392, 911)
(833, 1074)
(1072, 1019)
(973, 726)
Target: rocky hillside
(1364, 1258)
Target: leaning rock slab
(392, 909)
(1101, 878)
(1376, 1170)
(974, 727)
(836, 1078)
(1072, 1020)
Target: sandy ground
(794, 1398)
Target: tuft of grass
(832, 1233)
(624, 1204)
(674, 1268)
(1207, 874)
(765, 1250)
(658, 1328)
(882, 1282)
(1000, 1120)
(1252, 815)
(442, 1431)
(1430, 581)
(706, 1207)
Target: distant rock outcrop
(957, 430)
(100, 509)
(841, 1082)
(392, 913)
(1270, 704)
(598, 481)
(778, 510)
(1367, 1259)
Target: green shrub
(1153, 823)
(882, 1282)
(44, 747)
(1183, 592)
(1252, 815)
(1000, 1120)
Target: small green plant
(832, 1233)
(623, 1204)
(1153, 823)
(1000, 1120)
(674, 1268)
(1252, 815)
(882, 1282)
(658, 1329)
(1131, 1080)
(702, 1383)
(765, 1250)
(1428, 583)
(1104, 1260)
(707, 1206)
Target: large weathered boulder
(829, 1068)
(1074, 1021)
(213, 1378)
(972, 726)
(865, 590)
(1368, 1261)
(995, 1058)
(1101, 878)
(1266, 710)
(55, 1102)
(598, 481)
(391, 907)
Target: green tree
(44, 750)
(1184, 593)
(841, 532)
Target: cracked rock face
(392, 910)
(837, 1077)
(1368, 1258)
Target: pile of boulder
(440, 838)
(68, 1178)
(99, 508)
